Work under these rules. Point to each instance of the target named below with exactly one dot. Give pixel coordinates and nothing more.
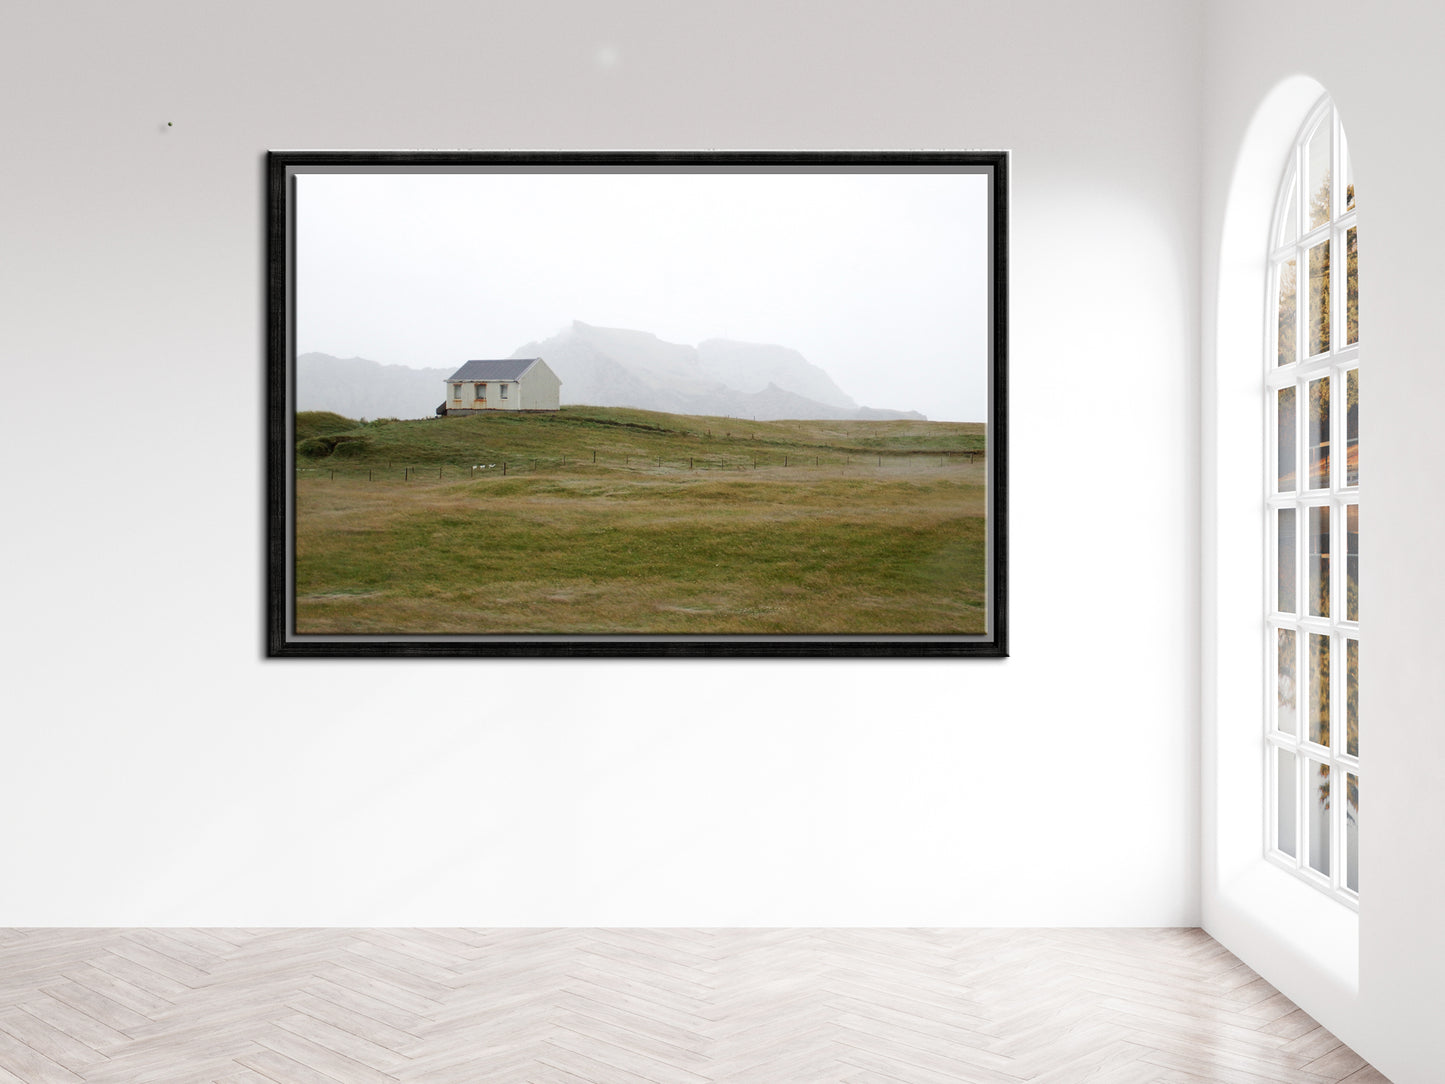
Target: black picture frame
(282, 641)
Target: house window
(504, 391)
(457, 392)
(1312, 489)
(482, 392)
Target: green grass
(627, 546)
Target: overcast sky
(879, 279)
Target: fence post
(504, 468)
(368, 474)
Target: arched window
(1312, 383)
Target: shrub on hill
(316, 423)
(339, 444)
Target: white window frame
(1334, 363)
(503, 393)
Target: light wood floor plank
(656, 1006)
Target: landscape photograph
(680, 404)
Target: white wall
(1376, 986)
(156, 770)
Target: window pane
(1289, 228)
(1352, 829)
(1352, 562)
(1286, 714)
(1349, 172)
(1317, 799)
(1352, 427)
(1318, 176)
(1319, 710)
(1288, 292)
(1319, 434)
(1319, 581)
(1286, 803)
(1352, 288)
(1318, 315)
(1352, 697)
(1287, 561)
(1287, 432)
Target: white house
(501, 384)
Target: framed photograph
(742, 403)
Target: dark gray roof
(498, 369)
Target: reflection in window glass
(1352, 828)
(1318, 315)
(1286, 802)
(1352, 562)
(1286, 412)
(1319, 581)
(1352, 427)
(1319, 710)
(1352, 697)
(1286, 716)
(1318, 176)
(1287, 561)
(1319, 433)
(1317, 796)
(1352, 289)
(1285, 314)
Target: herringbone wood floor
(184, 1006)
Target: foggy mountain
(752, 367)
(357, 388)
(605, 367)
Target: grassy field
(610, 520)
